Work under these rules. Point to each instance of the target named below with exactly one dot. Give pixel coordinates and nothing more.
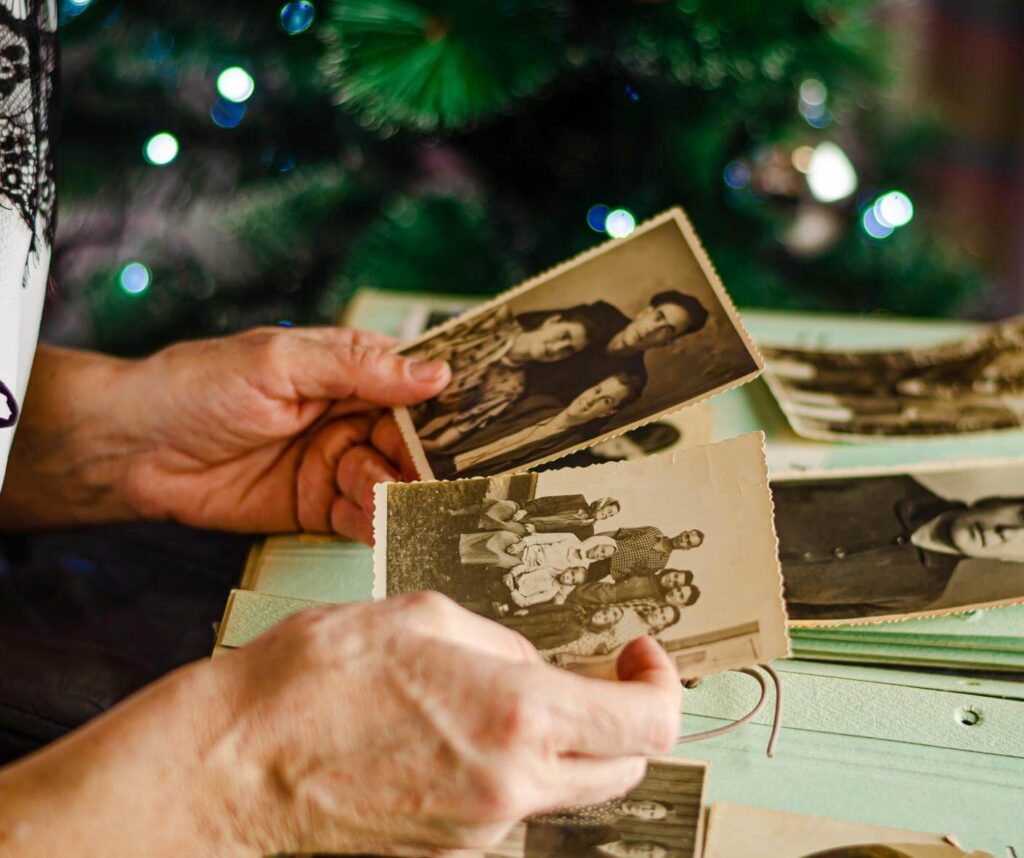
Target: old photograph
(972, 385)
(632, 330)
(739, 831)
(883, 544)
(583, 560)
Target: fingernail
(427, 370)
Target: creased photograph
(623, 334)
(971, 385)
(583, 560)
(879, 545)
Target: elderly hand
(271, 430)
(412, 726)
(402, 727)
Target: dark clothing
(549, 626)
(548, 840)
(599, 594)
(89, 616)
(637, 554)
(846, 551)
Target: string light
(227, 114)
(736, 175)
(597, 217)
(894, 208)
(619, 223)
(235, 84)
(134, 278)
(297, 17)
(160, 149)
(831, 176)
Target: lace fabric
(28, 69)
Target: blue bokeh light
(597, 216)
(297, 17)
(227, 114)
(873, 227)
(736, 175)
(135, 278)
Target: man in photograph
(883, 545)
(668, 316)
(674, 586)
(642, 551)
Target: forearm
(71, 447)
(137, 781)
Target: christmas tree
(230, 164)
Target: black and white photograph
(888, 544)
(630, 331)
(660, 818)
(971, 385)
(583, 560)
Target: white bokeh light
(894, 209)
(831, 176)
(235, 84)
(620, 223)
(161, 149)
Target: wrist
(72, 447)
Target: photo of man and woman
(632, 330)
(582, 560)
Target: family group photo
(890, 544)
(625, 333)
(580, 562)
(972, 385)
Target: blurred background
(241, 162)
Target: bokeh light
(620, 223)
(134, 278)
(736, 175)
(831, 176)
(802, 157)
(873, 227)
(161, 149)
(894, 209)
(813, 92)
(597, 217)
(235, 84)
(227, 114)
(297, 17)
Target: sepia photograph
(887, 544)
(660, 818)
(739, 831)
(630, 331)
(972, 385)
(583, 560)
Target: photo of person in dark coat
(872, 546)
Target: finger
(581, 781)
(635, 716)
(331, 364)
(434, 615)
(350, 520)
(387, 438)
(359, 470)
(316, 481)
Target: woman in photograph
(674, 586)
(554, 514)
(631, 619)
(584, 419)
(558, 551)
(489, 356)
(550, 626)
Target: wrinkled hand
(412, 727)
(271, 430)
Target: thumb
(644, 660)
(331, 364)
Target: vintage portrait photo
(632, 330)
(583, 560)
(884, 544)
(739, 831)
(972, 385)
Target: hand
(403, 727)
(411, 726)
(271, 430)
